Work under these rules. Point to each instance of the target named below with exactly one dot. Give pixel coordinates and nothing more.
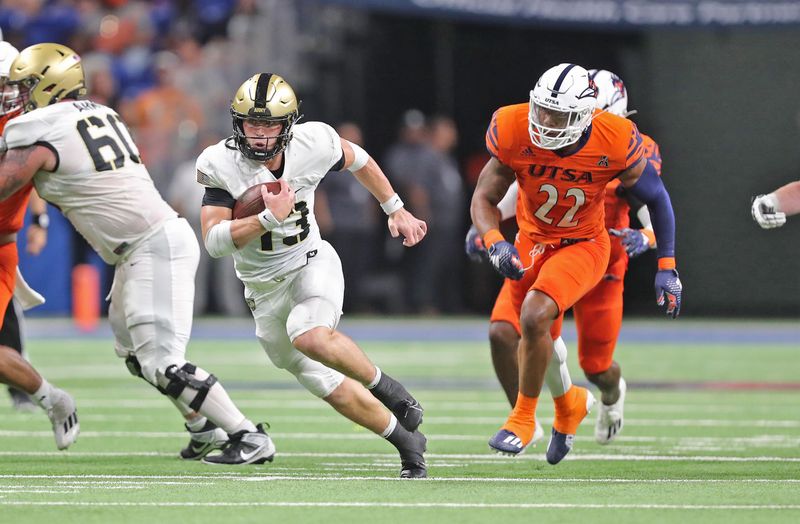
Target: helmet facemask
(11, 101)
(280, 141)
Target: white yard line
(385, 504)
(120, 481)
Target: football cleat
(64, 418)
(609, 418)
(505, 442)
(412, 461)
(561, 442)
(202, 442)
(245, 447)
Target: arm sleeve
(650, 189)
(215, 196)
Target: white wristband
(393, 204)
(218, 241)
(268, 220)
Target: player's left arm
(643, 182)
(636, 241)
(18, 165)
(36, 237)
(370, 175)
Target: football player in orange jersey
(562, 153)
(15, 370)
(598, 314)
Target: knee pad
(317, 378)
(179, 378)
(311, 313)
(133, 365)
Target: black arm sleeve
(338, 165)
(634, 203)
(218, 197)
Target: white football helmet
(10, 101)
(611, 93)
(561, 106)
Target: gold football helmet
(265, 97)
(47, 73)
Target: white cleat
(64, 417)
(609, 418)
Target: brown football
(250, 202)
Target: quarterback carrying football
(293, 279)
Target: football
(250, 202)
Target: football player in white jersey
(81, 158)
(293, 279)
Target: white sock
(392, 424)
(44, 395)
(244, 425)
(197, 423)
(557, 375)
(218, 406)
(376, 379)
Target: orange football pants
(8, 276)
(582, 278)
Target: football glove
(505, 259)
(668, 291)
(634, 241)
(765, 212)
(473, 245)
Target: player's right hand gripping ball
(668, 291)
(251, 202)
(505, 259)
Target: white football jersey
(315, 147)
(100, 183)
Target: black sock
(389, 391)
(411, 446)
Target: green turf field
(687, 454)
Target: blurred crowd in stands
(170, 68)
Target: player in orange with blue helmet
(15, 370)
(598, 314)
(562, 153)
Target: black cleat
(414, 471)
(399, 401)
(202, 442)
(411, 446)
(245, 447)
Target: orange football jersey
(12, 211)
(563, 196)
(617, 208)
